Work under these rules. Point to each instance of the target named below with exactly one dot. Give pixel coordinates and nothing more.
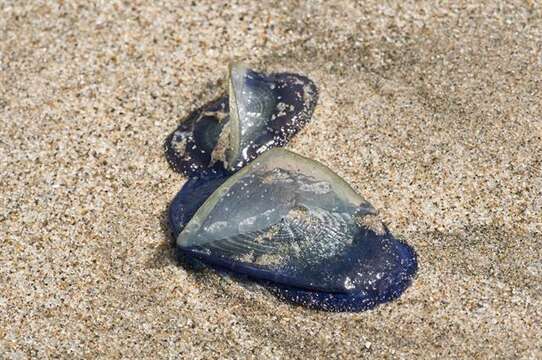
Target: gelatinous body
(260, 112)
(292, 223)
(265, 111)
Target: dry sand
(433, 113)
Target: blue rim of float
(365, 299)
(338, 301)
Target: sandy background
(433, 113)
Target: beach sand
(432, 113)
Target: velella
(292, 224)
(261, 111)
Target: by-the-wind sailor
(260, 112)
(292, 223)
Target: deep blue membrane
(188, 149)
(192, 195)
(373, 254)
